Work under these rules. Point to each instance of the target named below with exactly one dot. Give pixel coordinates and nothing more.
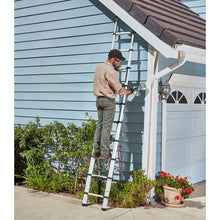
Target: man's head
(115, 57)
(116, 54)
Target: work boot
(95, 155)
(106, 156)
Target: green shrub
(53, 157)
(132, 193)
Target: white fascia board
(193, 54)
(142, 31)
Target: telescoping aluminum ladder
(118, 130)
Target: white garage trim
(180, 81)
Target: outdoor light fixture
(164, 90)
(142, 87)
(136, 90)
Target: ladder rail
(88, 181)
(114, 35)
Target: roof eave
(166, 50)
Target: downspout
(150, 164)
(181, 60)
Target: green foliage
(133, 193)
(53, 157)
(25, 137)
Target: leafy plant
(25, 137)
(53, 157)
(132, 193)
(166, 179)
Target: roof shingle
(170, 20)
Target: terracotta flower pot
(172, 197)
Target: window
(201, 98)
(176, 97)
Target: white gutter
(150, 123)
(193, 54)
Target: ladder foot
(104, 209)
(84, 204)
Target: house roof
(170, 20)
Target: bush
(133, 193)
(25, 138)
(52, 158)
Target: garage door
(185, 139)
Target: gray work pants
(106, 114)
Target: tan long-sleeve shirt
(106, 81)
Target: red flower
(193, 189)
(180, 180)
(162, 173)
(177, 197)
(188, 191)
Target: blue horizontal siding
(198, 6)
(72, 59)
(47, 7)
(20, 4)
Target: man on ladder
(106, 87)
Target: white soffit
(193, 54)
(177, 79)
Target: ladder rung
(98, 176)
(97, 195)
(122, 33)
(117, 122)
(124, 50)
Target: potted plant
(171, 189)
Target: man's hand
(128, 91)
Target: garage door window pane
(170, 99)
(201, 98)
(177, 97)
(183, 100)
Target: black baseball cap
(116, 54)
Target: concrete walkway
(36, 205)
